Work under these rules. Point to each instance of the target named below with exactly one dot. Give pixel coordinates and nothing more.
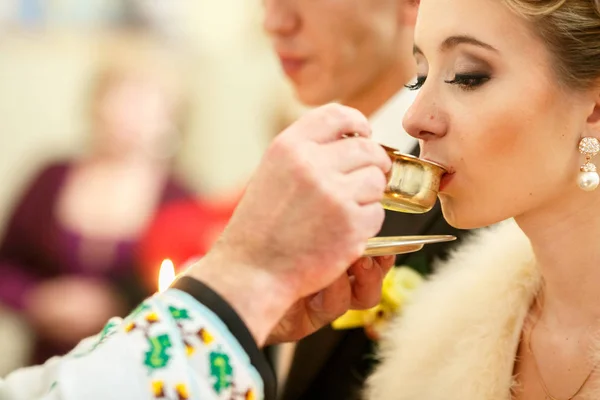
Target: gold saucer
(383, 246)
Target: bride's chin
(450, 217)
(460, 216)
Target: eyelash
(465, 81)
(469, 81)
(417, 85)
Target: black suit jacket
(333, 364)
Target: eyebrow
(453, 41)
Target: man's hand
(359, 289)
(306, 216)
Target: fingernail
(367, 263)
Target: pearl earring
(588, 178)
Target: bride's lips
(445, 180)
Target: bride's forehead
(461, 13)
(489, 21)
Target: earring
(588, 178)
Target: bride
(510, 102)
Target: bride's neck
(565, 237)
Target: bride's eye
(469, 81)
(417, 85)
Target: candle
(166, 275)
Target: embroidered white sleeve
(171, 347)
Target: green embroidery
(138, 310)
(222, 370)
(108, 330)
(54, 384)
(179, 313)
(157, 356)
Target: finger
(366, 285)
(366, 185)
(369, 219)
(354, 153)
(330, 122)
(367, 278)
(385, 263)
(331, 302)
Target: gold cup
(412, 187)
(413, 183)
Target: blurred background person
(70, 245)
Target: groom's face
(334, 49)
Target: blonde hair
(138, 55)
(571, 30)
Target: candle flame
(166, 275)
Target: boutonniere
(398, 287)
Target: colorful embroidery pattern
(157, 356)
(181, 347)
(207, 346)
(160, 351)
(109, 329)
(179, 390)
(179, 313)
(221, 370)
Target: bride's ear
(593, 119)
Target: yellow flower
(351, 319)
(398, 287)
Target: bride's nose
(425, 119)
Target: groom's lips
(292, 65)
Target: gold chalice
(412, 187)
(413, 184)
